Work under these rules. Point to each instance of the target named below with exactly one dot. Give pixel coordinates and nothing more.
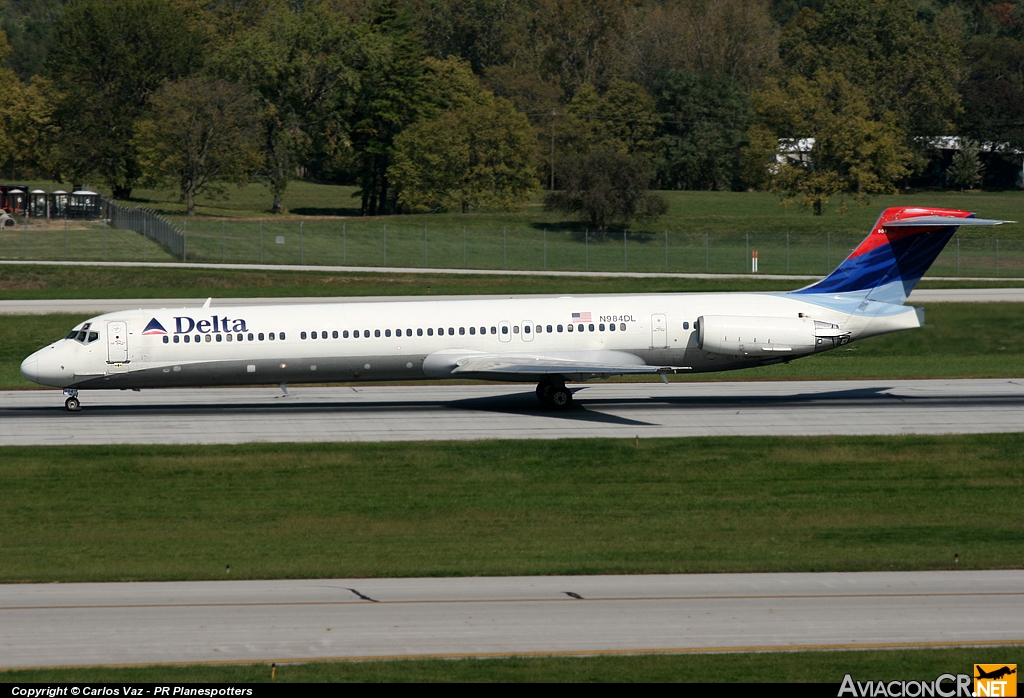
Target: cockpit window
(72, 335)
(81, 336)
(93, 336)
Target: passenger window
(549, 329)
(430, 331)
(462, 330)
(271, 336)
(250, 336)
(622, 326)
(408, 333)
(419, 331)
(686, 325)
(198, 338)
(440, 331)
(611, 326)
(504, 329)
(241, 337)
(260, 336)
(186, 339)
(219, 338)
(591, 327)
(176, 339)
(209, 338)
(580, 328)
(472, 330)
(483, 330)
(387, 333)
(601, 327)
(281, 336)
(494, 330)
(569, 328)
(376, 333)
(231, 337)
(451, 330)
(345, 334)
(334, 334)
(526, 329)
(166, 340)
(302, 335)
(515, 329)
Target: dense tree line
(430, 105)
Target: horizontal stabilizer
(931, 221)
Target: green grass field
(960, 340)
(743, 667)
(703, 231)
(511, 508)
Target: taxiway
(489, 411)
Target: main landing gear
(72, 403)
(553, 393)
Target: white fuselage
(408, 340)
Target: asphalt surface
(108, 305)
(296, 620)
(488, 411)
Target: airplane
(547, 341)
(995, 673)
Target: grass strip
(36, 282)
(724, 504)
(742, 667)
(960, 340)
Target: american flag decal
(581, 317)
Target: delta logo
(154, 327)
(995, 680)
(184, 325)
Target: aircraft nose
(30, 368)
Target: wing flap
(521, 364)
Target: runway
(302, 620)
(97, 306)
(489, 411)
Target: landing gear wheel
(544, 391)
(553, 393)
(560, 397)
(73, 404)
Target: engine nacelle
(736, 335)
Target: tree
(391, 96)
(25, 125)
(735, 38)
(300, 64)
(706, 117)
(903, 68)
(833, 146)
(966, 168)
(476, 155)
(606, 186)
(200, 134)
(106, 60)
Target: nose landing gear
(553, 393)
(73, 404)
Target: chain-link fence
(140, 235)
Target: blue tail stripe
(906, 260)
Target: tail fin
(895, 255)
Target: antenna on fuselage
(208, 301)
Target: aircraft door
(117, 342)
(659, 331)
(527, 331)
(505, 331)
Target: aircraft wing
(561, 363)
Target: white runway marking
(470, 412)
